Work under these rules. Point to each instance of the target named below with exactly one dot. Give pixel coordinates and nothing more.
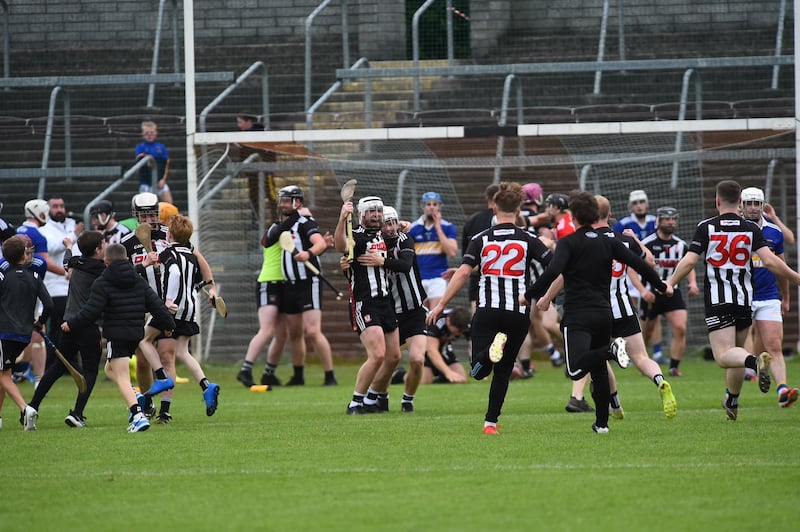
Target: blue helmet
(431, 196)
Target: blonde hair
(149, 124)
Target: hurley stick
(348, 189)
(80, 382)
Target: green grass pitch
(290, 459)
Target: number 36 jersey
(508, 259)
(728, 242)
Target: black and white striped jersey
(301, 232)
(621, 305)
(181, 274)
(368, 282)
(507, 257)
(728, 242)
(406, 287)
(115, 234)
(137, 254)
(667, 253)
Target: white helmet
(367, 204)
(753, 194)
(38, 209)
(144, 203)
(389, 213)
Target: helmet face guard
(370, 211)
(144, 207)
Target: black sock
(329, 375)
(165, 407)
(526, 364)
(751, 362)
(658, 378)
(408, 398)
(732, 399)
(136, 409)
(269, 369)
(614, 400)
(673, 363)
(161, 374)
(298, 372)
(204, 383)
(247, 366)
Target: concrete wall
(377, 27)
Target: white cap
(753, 194)
(637, 195)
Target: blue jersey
(159, 153)
(641, 231)
(765, 285)
(431, 257)
(38, 266)
(38, 239)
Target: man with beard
(61, 232)
(371, 306)
(667, 250)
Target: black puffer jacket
(122, 297)
(84, 271)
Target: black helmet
(559, 201)
(291, 191)
(667, 212)
(104, 206)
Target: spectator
(434, 242)
(248, 122)
(154, 172)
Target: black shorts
(300, 296)
(728, 315)
(374, 313)
(411, 323)
(662, 305)
(121, 348)
(626, 326)
(269, 293)
(9, 351)
(185, 328)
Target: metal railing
(225, 93)
(176, 56)
(345, 45)
(697, 63)
(6, 39)
(501, 140)
(601, 45)
(321, 101)
(60, 82)
(132, 171)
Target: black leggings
(86, 342)
(486, 323)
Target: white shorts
(434, 287)
(769, 310)
(148, 188)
